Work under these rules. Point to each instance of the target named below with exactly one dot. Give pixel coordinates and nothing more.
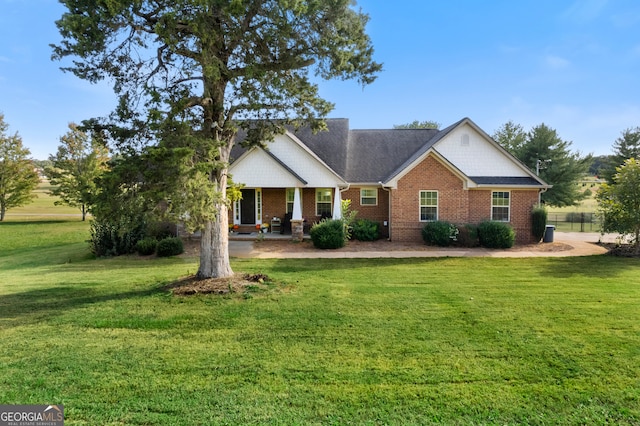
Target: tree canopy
(74, 168)
(625, 147)
(512, 137)
(545, 153)
(190, 73)
(18, 178)
(416, 124)
(619, 202)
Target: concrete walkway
(582, 244)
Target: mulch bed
(622, 250)
(237, 284)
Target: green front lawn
(397, 341)
(42, 206)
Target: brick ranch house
(401, 178)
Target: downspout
(540, 192)
(388, 189)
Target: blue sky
(573, 65)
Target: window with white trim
(428, 206)
(323, 202)
(291, 195)
(500, 206)
(368, 196)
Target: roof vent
(464, 141)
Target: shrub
(366, 230)
(170, 247)
(328, 234)
(496, 235)
(440, 233)
(114, 239)
(538, 222)
(468, 236)
(146, 246)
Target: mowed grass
(327, 341)
(41, 206)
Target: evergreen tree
(190, 73)
(512, 137)
(547, 155)
(625, 147)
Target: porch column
(337, 205)
(297, 224)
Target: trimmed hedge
(538, 222)
(365, 230)
(440, 233)
(496, 235)
(328, 234)
(146, 246)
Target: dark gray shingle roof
(372, 156)
(504, 180)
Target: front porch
(289, 212)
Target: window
(428, 206)
(500, 206)
(368, 197)
(291, 194)
(323, 202)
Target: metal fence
(575, 221)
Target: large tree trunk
(214, 246)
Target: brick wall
(455, 204)
(378, 213)
(430, 175)
(522, 203)
(273, 203)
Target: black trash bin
(548, 234)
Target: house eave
(511, 187)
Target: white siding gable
(474, 155)
(258, 169)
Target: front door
(248, 207)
